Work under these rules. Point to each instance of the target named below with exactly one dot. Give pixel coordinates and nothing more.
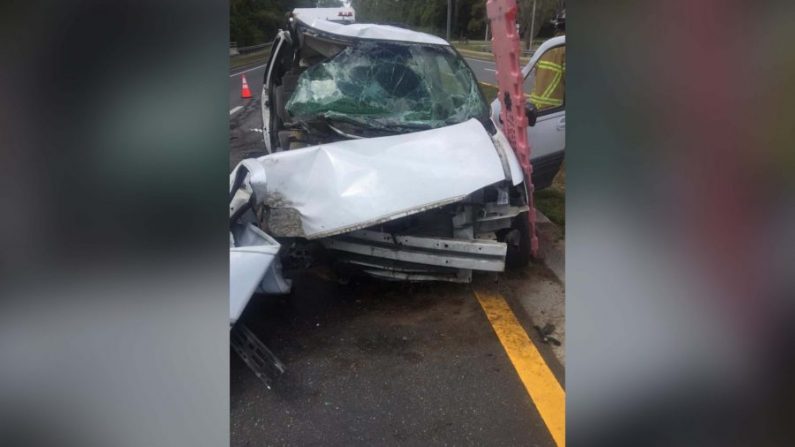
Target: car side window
(545, 85)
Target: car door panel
(548, 136)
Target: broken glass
(389, 86)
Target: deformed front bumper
(415, 258)
(351, 197)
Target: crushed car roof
(372, 32)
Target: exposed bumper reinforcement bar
(409, 257)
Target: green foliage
(468, 16)
(256, 21)
(424, 15)
(552, 202)
(489, 92)
(252, 22)
(476, 26)
(545, 10)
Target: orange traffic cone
(246, 93)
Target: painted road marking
(489, 69)
(247, 70)
(234, 110)
(544, 390)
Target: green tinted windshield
(389, 85)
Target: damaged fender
(253, 266)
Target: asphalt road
(378, 363)
(484, 70)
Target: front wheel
(518, 240)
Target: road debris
(546, 334)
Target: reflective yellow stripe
(552, 85)
(546, 101)
(550, 63)
(550, 66)
(548, 105)
(541, 106)
(544, 98)
(540, 99)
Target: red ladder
(506, 49)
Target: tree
(252, 22)
(256, 21)
(545, 11)
(476, 26)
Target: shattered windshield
(389, 86)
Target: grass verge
(552, 203)
(484, 56)
(552, 200)
(485, 45)
(482, 50)
(489, 91)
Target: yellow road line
(545, 391)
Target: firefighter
(550, 84)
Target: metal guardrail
(234, 49)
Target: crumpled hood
(339, 187)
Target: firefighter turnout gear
(549, 89)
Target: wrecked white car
(382, 157)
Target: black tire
(518, 239)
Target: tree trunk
(528, 17)
(456, 28)
(532, 27)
